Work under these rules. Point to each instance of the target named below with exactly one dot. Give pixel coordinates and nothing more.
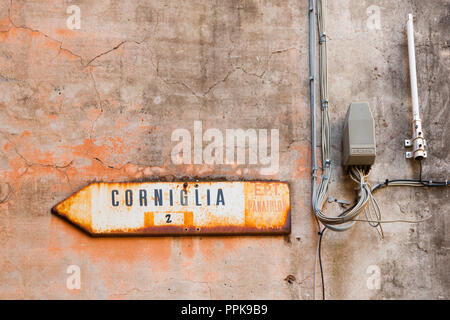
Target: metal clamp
(417, 142)
(407, 143)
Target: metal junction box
(359, 147)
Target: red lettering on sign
(258, 191)
(266, 205)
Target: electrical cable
(420, 170)
(395, 220)
(320, 262)
(411, 182)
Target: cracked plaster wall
(100, 103)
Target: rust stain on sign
(180, 208)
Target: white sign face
(164, 208)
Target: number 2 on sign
(168, 220)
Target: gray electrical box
(359, 147)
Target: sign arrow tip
(77, 209)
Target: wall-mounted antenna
(417, 142)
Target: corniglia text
(156, 197)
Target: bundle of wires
(412, 182)
(366, 203)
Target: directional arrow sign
(179, 208)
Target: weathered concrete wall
(99, 103)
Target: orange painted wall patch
(180, 208)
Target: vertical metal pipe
(312, 44)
